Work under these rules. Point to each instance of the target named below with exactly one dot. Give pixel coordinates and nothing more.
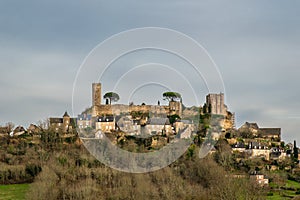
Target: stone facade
(216, 105)
(105, 123)
(84, 121)
(260, 179)
(98, 109)
(64, 124)
(273, 134)
(96, 97)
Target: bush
(33, 170)
(270, 194)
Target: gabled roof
(158, 121)
(109, 118)
(19, 129)
(54, 120)
(270, 131)
(84, 117)
(250, 125)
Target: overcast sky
(255, 44)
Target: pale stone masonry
(62, 124)
(96, 97)
(174, 107)
(216, 104)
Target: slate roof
(109, 118)
(55, 120)
(250, 125)
(84, 117)
(158, 121)
(270, 131)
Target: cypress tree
(295, 152)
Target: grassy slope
(281, 195)
(13, 192)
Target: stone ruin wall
(117, 109)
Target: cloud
(254, 43)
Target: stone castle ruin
(158, 118)
(98, 109)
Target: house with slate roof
(63, 124)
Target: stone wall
(117, 109)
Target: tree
(111, 96)
(172, 96)
(295, 152)
(173, 118)
(10, 127)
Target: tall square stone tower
(96, 94)
(216, 103)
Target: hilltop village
(163, 123)
(248, 151)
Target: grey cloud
(254, 43)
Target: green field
(286, 194)
(13, 192)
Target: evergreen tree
(295, 152)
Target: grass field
(13, 192)
(286, 194)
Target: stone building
(250, 127)
(84, 121)
(63, 124)
(98, 109)
(260, 179)
(158, 126)
(270, 133)
(215, 103)
(128, 125)
(273, 134)
(33, 129)
(105, 123)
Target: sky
(255, 45)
